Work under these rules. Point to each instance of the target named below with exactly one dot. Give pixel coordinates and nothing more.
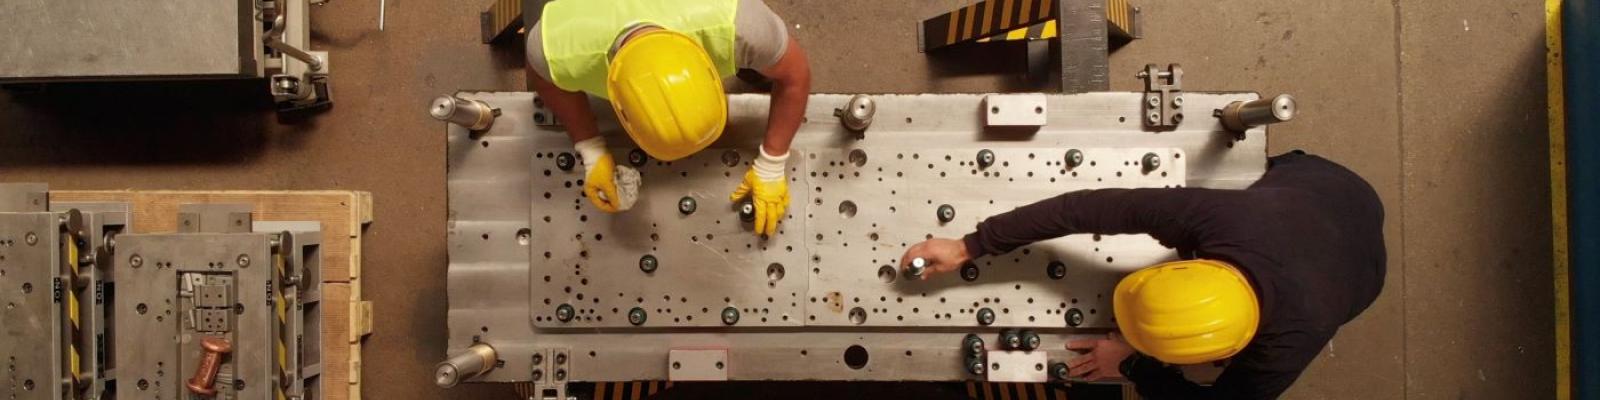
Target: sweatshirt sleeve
(1178, 218)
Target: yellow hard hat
(667, 94)
(1187, 312)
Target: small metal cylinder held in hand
(471, 114)
(478, 359)
(1240, 116)
(210, 362)
(917, 267)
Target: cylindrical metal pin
(477, 360)
(1240, 116)
(471, 114)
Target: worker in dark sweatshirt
(1268, 274)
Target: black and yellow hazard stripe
(984, 19)
(1014, 391)
(503, 19)
(1119, 20)
(632, 390)
(69, 244)
(282, 309)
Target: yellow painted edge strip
(1049, 30)
(1558, 195)
(1005, 13)
(966, 29)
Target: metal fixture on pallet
(821, 299)
(220, 309)
(221, 284)
(54, 268)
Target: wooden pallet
(346, 318)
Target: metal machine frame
(869, 176)
(65, 41)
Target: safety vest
(578, 34)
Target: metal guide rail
(222, 309)
(545, 289)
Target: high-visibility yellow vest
(578, 34)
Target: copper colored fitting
(210, 363)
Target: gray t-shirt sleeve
(760, 39)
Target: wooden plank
(346, 319)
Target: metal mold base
(708, 261)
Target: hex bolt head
(730, 316)
(648, 263)
(1153, 101)
(969, 272)
(1056, 270)
(1074, 317)
(1059, 371)
(136, 261)
(977, 366)
(973, 345)
(747, 211)
(1030, 340)
(686, 205)
(985, 316)
(32, 239)
(565, 161)
(947, 213)
(565, 312)
(1154, 118)
(637, 158)
(1150, 162)
(637, 316)
(985, 158)
(243, 261)
(1177, 101)
(1074, 158)
(1010, 340)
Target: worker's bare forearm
(790, 90)
(572, 108)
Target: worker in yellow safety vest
(660, 63)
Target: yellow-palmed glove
(768, 191)
(600, 183)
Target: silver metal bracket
(1163, 96)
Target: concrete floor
(1438, 103)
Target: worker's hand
(768, 190)
(600, 183)
(1103, 357)
(770, 197)
(942, 255)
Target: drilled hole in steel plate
(855, 357)
(858, 316)
(886, 273)
(523, 236)
(774, 273)
(847, 208)
(858, 157)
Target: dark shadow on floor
(194, 122)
